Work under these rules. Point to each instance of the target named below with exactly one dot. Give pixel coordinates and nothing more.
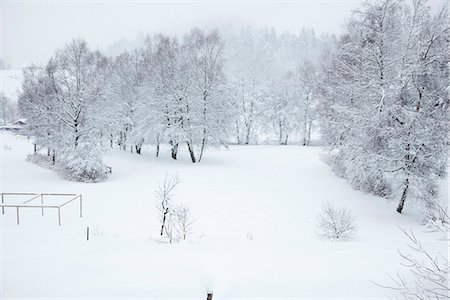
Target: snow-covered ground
(254, 235)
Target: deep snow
(254, 236)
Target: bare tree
(429, 272)
(336, 223)
(164, 201)
(183, 221)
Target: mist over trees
(202, 90)
(378, 94)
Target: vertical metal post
(3, 202)
(59, 216)
(81, 206)
(17, 215)
(42, 203)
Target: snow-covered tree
(384, 111)
(208, 111)
(59, 103)
(8, 111)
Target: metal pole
(59, 216)
(3, 209)
(17, 215)
(81, 206)
(42, 203)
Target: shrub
(336, 223)
(83, 164)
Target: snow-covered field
(254, 235)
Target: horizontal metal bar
(12, 194)
(70, 201)
(45, 194)
(35, 206)
(32, 199)
(60, 194)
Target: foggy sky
(32, 30)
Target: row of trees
(8, 110)
(384, 110)
(192, 92)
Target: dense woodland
(378, 95)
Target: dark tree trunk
(203, 145)
(280, 126)
(138, 149)
(401, 204)
(238, 134)
(35, 148)
(111, 141)
(164, 221)
(157, 150)
(76, 134)
(174, 150)
(53, 158)
(48, 151)
(247, 136)
(191, 152)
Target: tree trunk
(164, 221)
(401, 204)
(286, 139)
(238, 134)
(280, 138)
(247, 136)
(35, 148)
(191, 152)
(174, 150)
(53, 158)
(203, 145)
(48, 151)
(76, 134)
(111, 141)
(309, 133)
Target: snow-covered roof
(20, 122)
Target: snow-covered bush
(83, 164)
(336, 223)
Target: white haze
(31, 31)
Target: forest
(378, 95)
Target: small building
(16, 126)
(20, 122)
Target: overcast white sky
(32, 30)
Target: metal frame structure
(42, 206)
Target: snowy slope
(255, 233)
